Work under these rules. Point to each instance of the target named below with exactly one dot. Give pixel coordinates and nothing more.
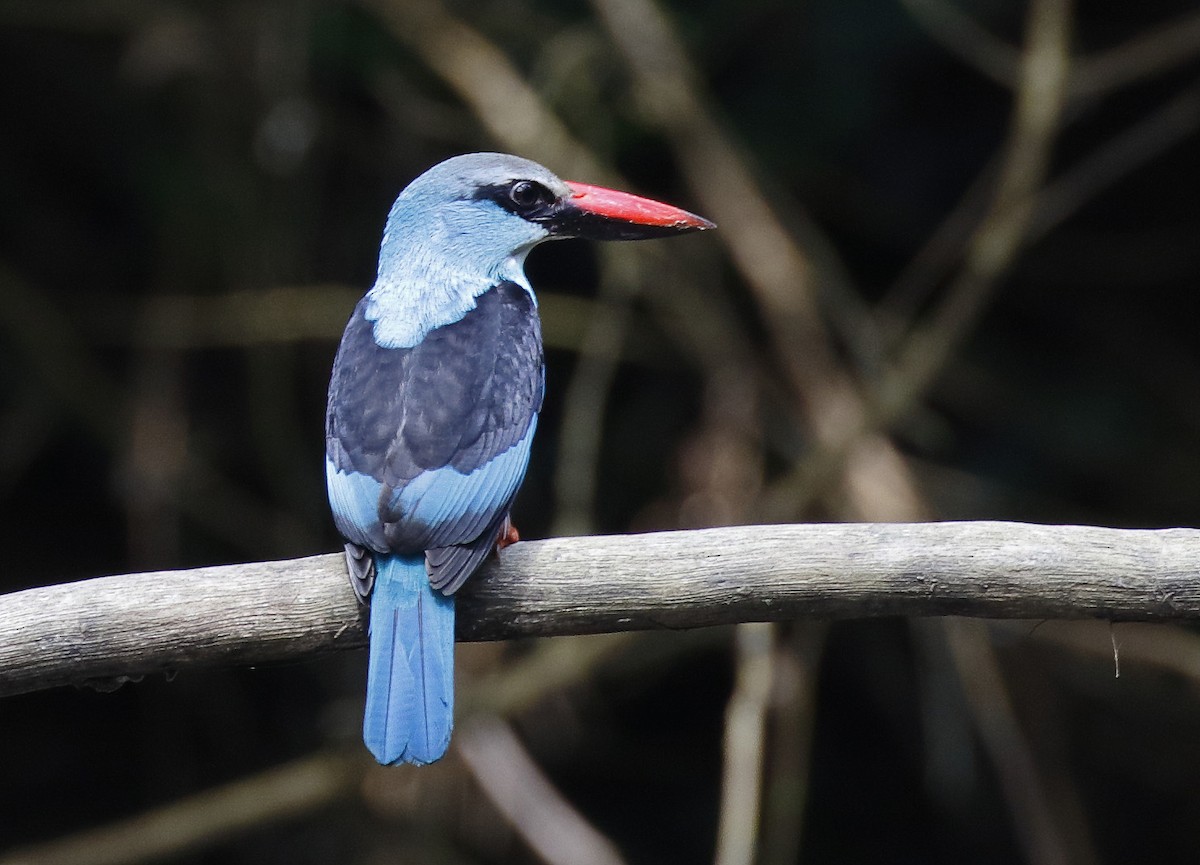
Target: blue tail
(410, 675)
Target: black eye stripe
(526, 198)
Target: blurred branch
(26, 427)
(309, 783)
(1156, 50)
(745, 735)
(935, 259)
(488, 82)
(990, 251)
(965, 38)
(995, 243)
(45, 343)
(64, 367)
(1011, 756)
(512, 781)
(290, 314)
(797, 660)
(577, 461)
(1056, 202)
(198, 821)
(90, 16)
(155, 453)
(1161, 129)
(778, 269)
(240, 319)
(783, 266)
(546, 667)
(111, 628)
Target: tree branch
(105, 630)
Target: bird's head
(483, 208)
(471, 220)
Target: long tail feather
(410, 674)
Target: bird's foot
(508, 535)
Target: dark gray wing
(427, 445)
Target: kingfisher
(433, 403)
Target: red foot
(508, 535)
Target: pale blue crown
(444, 246)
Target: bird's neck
(422, 286)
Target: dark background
(191, 199)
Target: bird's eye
(526, 194)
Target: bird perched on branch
(433, 403)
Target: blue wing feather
(354, 500)
(456, 508)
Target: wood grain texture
(103, 630)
